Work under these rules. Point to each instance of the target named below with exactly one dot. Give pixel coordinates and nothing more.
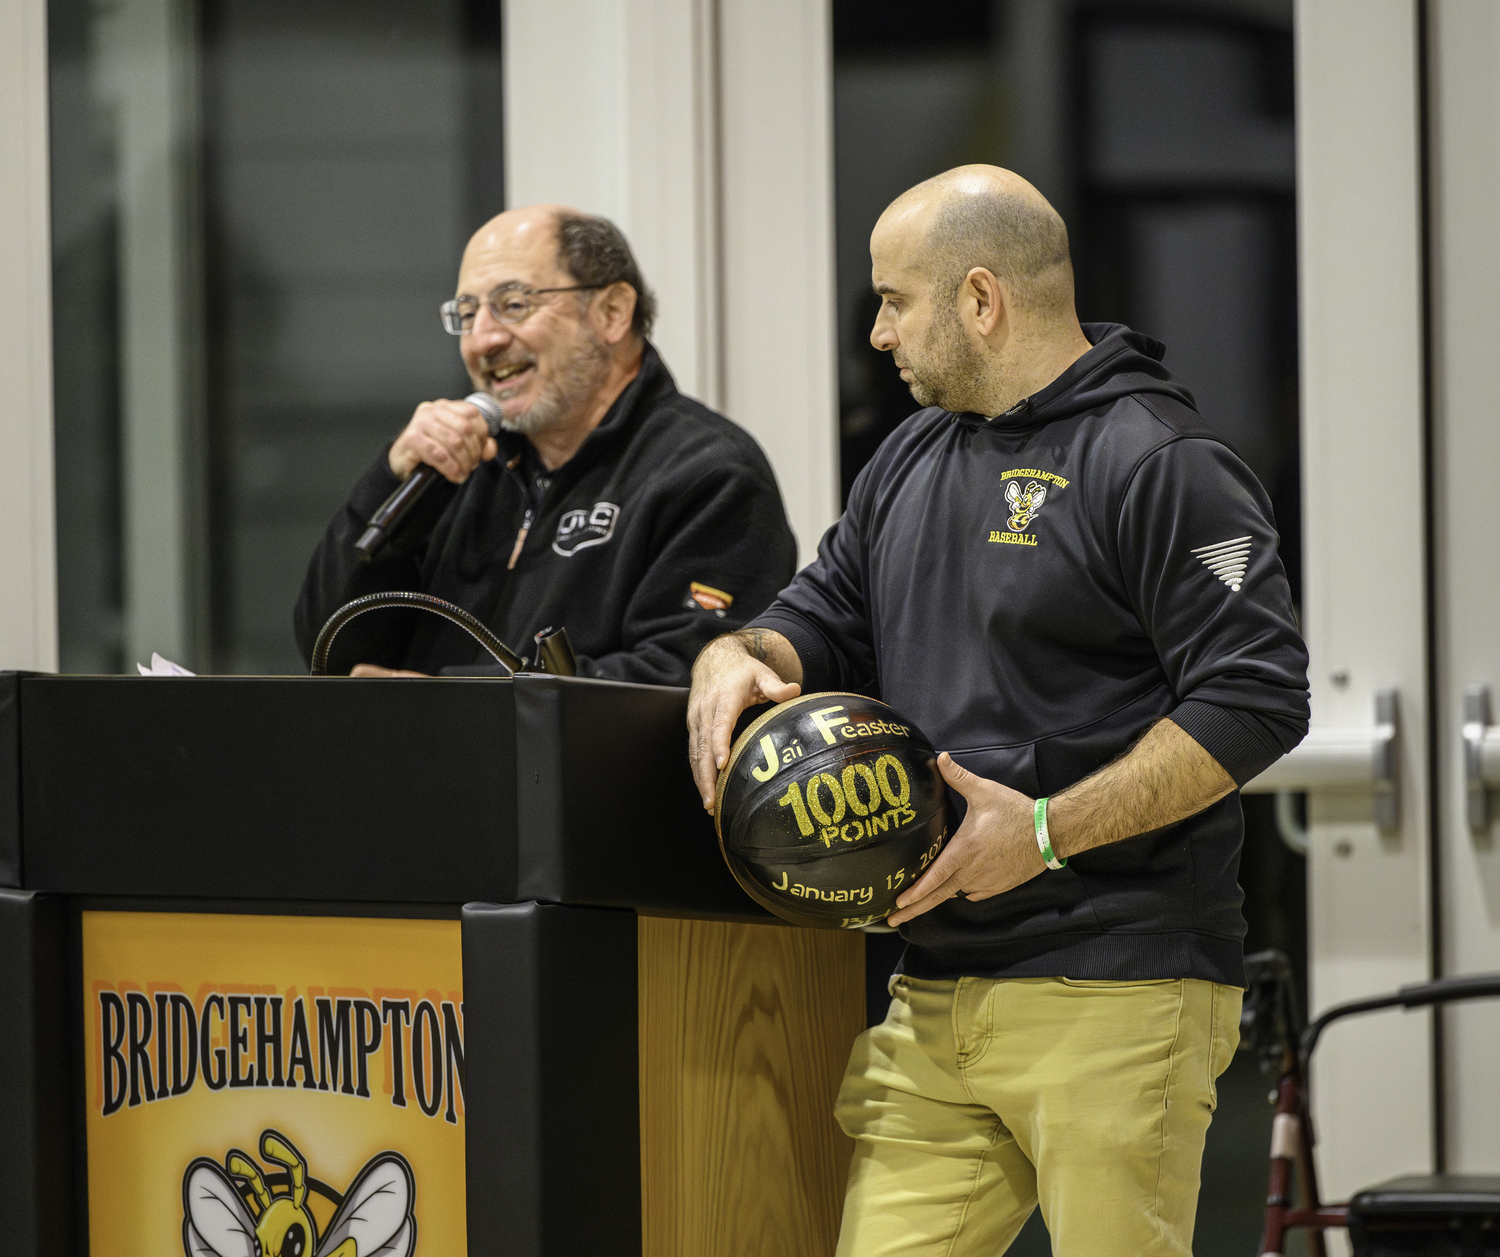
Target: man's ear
(986, 298)
(613, 312)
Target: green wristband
(1043, 838)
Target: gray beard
(579, 377)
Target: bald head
(583, 249)
(530, 232)
(992, 218)
(976, 290)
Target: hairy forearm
(1166, 777)
(773, 650)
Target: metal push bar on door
(1348, 758)
(1481, 756)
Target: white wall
(780, 334)
(703, 128)
(28, 577)
(605, 114)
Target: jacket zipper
(530, 516)
(525, 522)
(520, 541)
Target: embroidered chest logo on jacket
(577, 530)
(1025, 503)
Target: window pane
(258, 206)
(352, 148)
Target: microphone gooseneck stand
(502, 653)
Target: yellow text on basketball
(767, 770)
(861, 790)
(824, 719)
(793, 799)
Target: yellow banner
(300, 1078)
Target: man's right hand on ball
(727, 679)
(450, 437)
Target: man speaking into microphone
(606, 503)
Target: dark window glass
(86, 348)
(257, 207)
(352, 146)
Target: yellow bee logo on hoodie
(1024, 503)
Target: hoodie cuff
(811, 647)
(1241, 747)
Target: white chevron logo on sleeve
(1227, 560)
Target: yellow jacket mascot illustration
(374, 1218)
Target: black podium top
(446, 791)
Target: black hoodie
(665, 529)
(1036, 590)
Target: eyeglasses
(510, 303)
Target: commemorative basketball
(828, 807)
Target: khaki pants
(976, 1100)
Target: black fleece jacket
(663, 531)
(1035, 591)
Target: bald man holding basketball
(1068, 580)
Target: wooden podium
(638, 1060)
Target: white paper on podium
(163, 668)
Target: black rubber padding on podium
(10, 779)
(269, 788)
(36, 1132)
(551, 1081)
(606, 809)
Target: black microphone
(393, 510)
